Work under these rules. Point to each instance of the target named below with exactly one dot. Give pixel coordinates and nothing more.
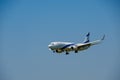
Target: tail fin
(86, 40)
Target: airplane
(59, 47)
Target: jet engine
(73, 47)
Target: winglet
(103, 37)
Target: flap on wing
(95, 42)
(82, 46)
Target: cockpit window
(52, 43)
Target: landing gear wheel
(67, 53)
(76, 51)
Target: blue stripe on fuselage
(67, 46)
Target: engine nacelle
(73, 47)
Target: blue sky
(28, 26)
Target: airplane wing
(87, 45)
(97, 41)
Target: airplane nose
(49, 46)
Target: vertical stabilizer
(87, 38)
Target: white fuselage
(58, 45)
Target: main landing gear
(67, 53)
(76, 51)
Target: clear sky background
(28, 26)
